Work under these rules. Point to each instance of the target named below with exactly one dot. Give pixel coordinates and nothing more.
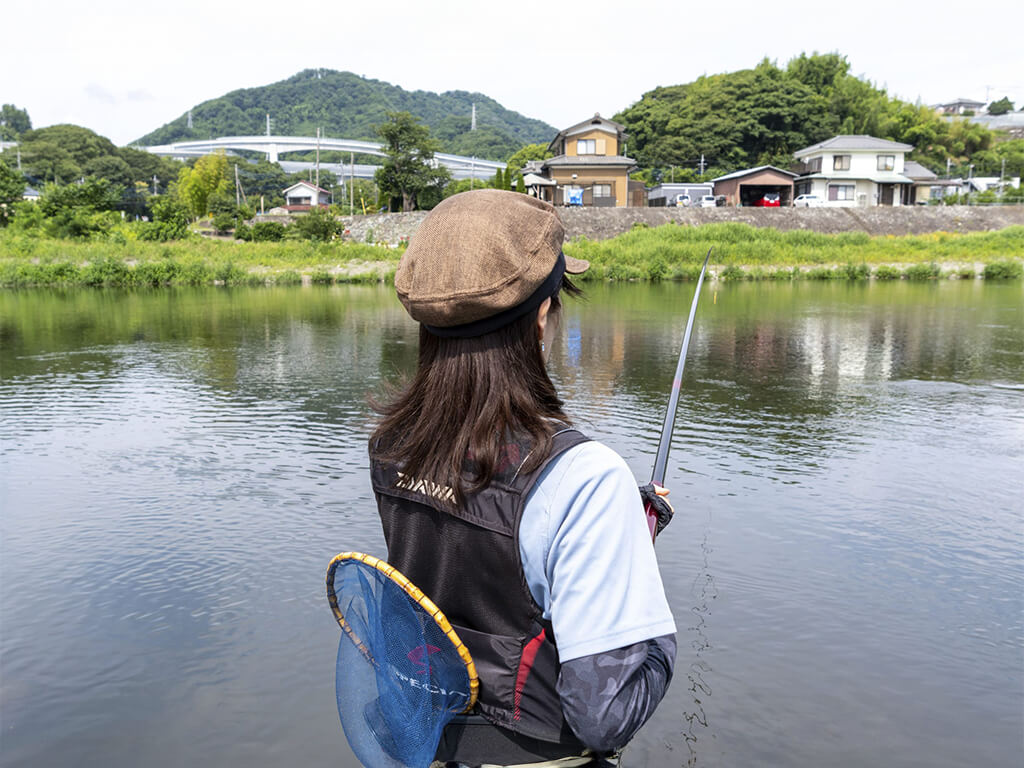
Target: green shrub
(1003, 270)
(153, 273)
(887, 272)
(820, 273)
(229, 274)
(107, 272)
(223, 223)
(318, 224)
(288, 277)
(322, 277)
(657, 270)
(243, 232)
(857, 271)
(921, 272)
(965, 273)
(732, 272)
(268, 231)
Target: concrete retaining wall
(603, 223)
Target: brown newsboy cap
(480, 260)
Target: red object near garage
(768, 200)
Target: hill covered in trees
(761, 116)
(349, 106)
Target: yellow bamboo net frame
(417, 595)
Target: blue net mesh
(399, 679)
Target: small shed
(300, 197)
(748, 186)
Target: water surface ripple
(845, 568)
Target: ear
(542, 317)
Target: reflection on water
(178, 467)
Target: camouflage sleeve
(606, 697)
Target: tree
(170, 219)
(207, 177)
(12, 187)
(110, 167)
(408, 170)
(518, 159)
(1000, 107)
(13, 122)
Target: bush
(318, 224)
(732, 272)
(887, 272)
(922, 272)
(267, 231)
(289, 277)
(223, 223)
(322, 277)
(857, 271)
(243, 232)
(820, 273)
(1003, 270)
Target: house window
(602, 190)
(804, 187)
(840, 162)
(841, 191)
(886, 162)
(586, 146)
(814, 166)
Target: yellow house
(587, 168)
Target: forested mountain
(762, 115)
(349, 106)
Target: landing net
(402, 672)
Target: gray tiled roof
(854, 143)
(748, 171)
(917, 172)
(562, 160)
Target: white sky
(124, 68)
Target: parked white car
(707, 201)
(808, 201)
(682, 200)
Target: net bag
(402, 672)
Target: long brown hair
(466, 399)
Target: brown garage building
(748, 186)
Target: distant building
(31, 194)
(959, 107)
(587, 169)
(299, 197)
(748, 186)
(847, 171)
(674, 194)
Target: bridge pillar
(272, 153)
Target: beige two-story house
(851, 171)
(587, 168)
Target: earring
(542, 346)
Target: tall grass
(668, 252)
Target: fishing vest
(467, 561)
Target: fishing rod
(661, 458)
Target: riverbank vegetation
(669, 252)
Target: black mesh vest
(467, 561)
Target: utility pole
(1002, 175)
(238, 200)
(351, 182)
(268, 123)
(18, 151)
(701, 163)
(317, 164)
(155, 181)
(472, 120)
(190, 119)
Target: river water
(845, 569)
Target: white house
(300, 197)
(845, 171)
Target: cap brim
(576, 266)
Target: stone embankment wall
(602, 223)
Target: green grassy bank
(669, 252)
